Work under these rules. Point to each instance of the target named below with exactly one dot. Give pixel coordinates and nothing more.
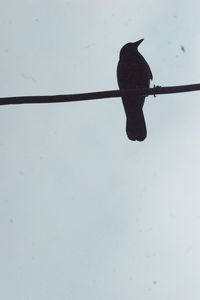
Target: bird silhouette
(133, 72)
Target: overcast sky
(84, 212)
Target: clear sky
(84, 212)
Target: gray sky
(84, 212)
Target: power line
(156, 90)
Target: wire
(156, 90)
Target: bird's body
(132, 72)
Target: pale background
(84, 212)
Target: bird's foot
(156, 87)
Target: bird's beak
(138, 42)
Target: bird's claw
(155, 87)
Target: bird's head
(128, 50)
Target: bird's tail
(136, 127)
(135, 122)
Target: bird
(133, 72)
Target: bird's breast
(132, 73)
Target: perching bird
(132, 72)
